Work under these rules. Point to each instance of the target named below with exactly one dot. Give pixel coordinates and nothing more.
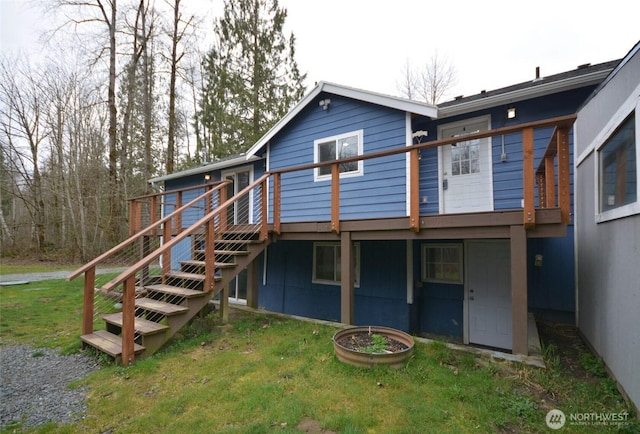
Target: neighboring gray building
(607, 207)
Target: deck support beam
(519, 304)
(224, 303)
(128, 315)
(253, 274)
(346, 283)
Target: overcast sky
(366, 43)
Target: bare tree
(21, 109)
(406, 84)
(105, 12)
(429, 83)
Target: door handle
(471, 298)
(445, 184)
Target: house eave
(414, 107)
(539, 90)
(242, 159)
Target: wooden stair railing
(164, 306)
(89, 269)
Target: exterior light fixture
(511, 112)
(324, 103)
(207, 177)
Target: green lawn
(264, 374)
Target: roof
(635, 50)
(232, 160)
(407, 105)
(583, 75)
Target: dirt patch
(364, 341)
(568, 344)
(312, 426)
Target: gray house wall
(608, 252)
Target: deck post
(264, 230)
(253, 274)
(528, 179)
(132, 217)
(128, 314)
(224, 304)
(550, 182)
(414, 190)
(178, 220)
(166, 256)
(277, 202)
(335, 198)
(153, 214)
(209, 256)
(346, 283)
(564, 189)
(87, 306)
(519, 303)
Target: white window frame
(631, 208)
(424, 263)
(336, 245)
(316, 155)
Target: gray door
(488, 291)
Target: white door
(488, 292)
(466, 177)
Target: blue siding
(507, 175)
(440, 308)
(379, 300)
(379, 193)
(551, 287)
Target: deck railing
(178, 244)
(553, 188)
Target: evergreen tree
(251, 78)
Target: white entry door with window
(488, 293)
(465, 173)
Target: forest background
(128, 92)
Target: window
(465, 157)
(442, 263)
(336, 148)
(618, 167)
(326, 263)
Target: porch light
(511, 112)
(207, 177)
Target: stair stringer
(195, 305)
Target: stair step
(186, 276)
(141, 325)
(194, 263)
(160, 307)
(108, 343)
(236, 241)
(175, 290)
(230, 252)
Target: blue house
(453, 220)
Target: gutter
(522, 94)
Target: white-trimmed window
(618, 168)
(327, 268)
(442, 263)
(336, 148)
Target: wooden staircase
(164, 304)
